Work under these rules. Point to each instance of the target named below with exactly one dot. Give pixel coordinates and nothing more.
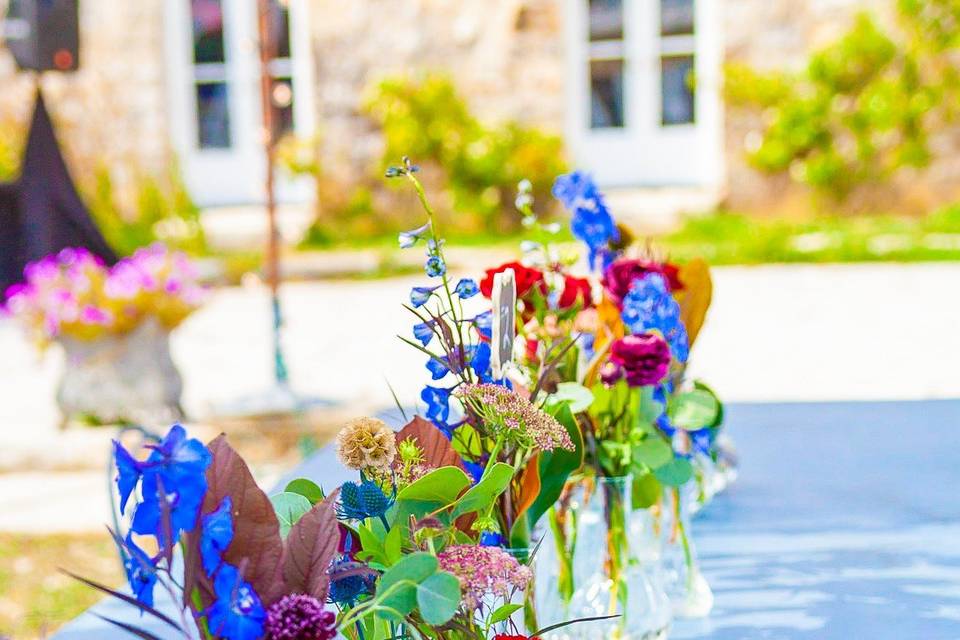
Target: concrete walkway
(775, 333)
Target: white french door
(214, 94)
(644, 103)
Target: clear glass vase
(609, 575)
(524, 620)
(690, 594)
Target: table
(843, 525)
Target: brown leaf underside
(310, 547)
(437, 451)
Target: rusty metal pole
(268, 48)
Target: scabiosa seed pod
(366, 443)
(300, 617)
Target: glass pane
(676, 17)
(213, 116)
(677, 89)
(606, 93)
(280, 22)
(281, 100)
(207, 31)
(606, 20)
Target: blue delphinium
(480, 355)
(435, 267)
(467, 288)
(438, 404)
(237, 613)
(216, 534)
(362, 500)
(409, 238)
(591, 221)
(420, 295)
(423, 332)
(649, 306)
(141, 571)
(484, 324)
(438, 367)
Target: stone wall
(114, 109)
(777, 34)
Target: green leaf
(289, 508)
(652, 452)
(415, 568)
(675, 473)
(504, 612)
(574, 395)
(693, 410)
(481, 495)
(702, 386)
(306, 488)
(650, 409)
(646, 491)
(438, 597)
(391, 546)
(556, 466)
(371, 544)
(438, 488)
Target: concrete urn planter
(121, 378)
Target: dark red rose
(644, 358)
(527, 278)
(619, 276)
(574, 290)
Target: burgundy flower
(300, 617)
(619, 276)
(644, 358)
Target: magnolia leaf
(440, 487)
(399, 596)
(495, 481)
(306, 488)
(290, 507)
(675, 473)
(529, 486)
(693, 410)
(556, 466)
(438, 597)
(504, 612)
(436, 448)
(695, 297)
(310, 548)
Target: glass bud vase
(524, 620)
(690, 594)
(609, 576)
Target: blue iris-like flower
(438, 404)
(128, 473)
(362, 500)
(475, 469)
(409, 238)
(491, 539)
(467, 288)
(480, 360)
(216, 534)
(438, 367)
(435, 267)
(650, 307)
(420, 295)
(237, 613)
(423, 332)
(141, 572)
(484, 324)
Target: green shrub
(863, 107)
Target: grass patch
(730, 238)
(35, 598)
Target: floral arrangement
(74, 294)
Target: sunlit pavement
(775, 333)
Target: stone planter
(124, 378)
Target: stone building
(178, 79)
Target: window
(281, 70)
(606, 63)
(210, 75)
(677, 62)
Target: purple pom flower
(300, 617)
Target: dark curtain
(41, 212)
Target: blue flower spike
(216, 534)
(237, 613)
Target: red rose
(576, 289)
(619, 276)
(526, 277)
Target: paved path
(775, 333)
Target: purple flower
(237, 613)
(300, 617)
(644, 358)
(216, 534)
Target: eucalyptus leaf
(306, 488)
(438, 597)
(289, 508)
(402, 598)
(573, 394)
(645, 491)
(675, 473)
(693, 410)
(653, 452)
(650, 408)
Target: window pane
(280, 22)
(207, 31)
(677, 89)
(281, 101)
(213, 116)
(676, 17)
(606, 20)
(606, 93)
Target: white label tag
(504, 297)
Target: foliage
(428, 119)
(731, 238)
(863, 108)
